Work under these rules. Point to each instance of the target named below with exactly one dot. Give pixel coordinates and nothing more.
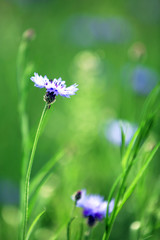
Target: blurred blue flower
(88, 30)
(54, 86)
(113, 131)
(94, 206)
(144, 79)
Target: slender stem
(70, 222)
(26, 191)
(110, 197)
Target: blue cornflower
(113, 131)
(53, 87)
(94, 206)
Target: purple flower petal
(56, 86)
(40, 81)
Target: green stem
(26, 152)
(70, 222)
(24, 126)
(26, 190)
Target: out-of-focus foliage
(112, 52)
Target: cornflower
(53, 88)
(94, 206)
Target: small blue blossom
(94, 206)
(140, 79)
(113, 131)
(53, 87)
(144, 80)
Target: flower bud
(29, 34)
(78, 195)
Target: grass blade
(22, 74)
(129, 148)
(151, 103)
(34, 224)
(69, 228)
(137, 178)
(111, 196)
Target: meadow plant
(53, 88)
(95, 208)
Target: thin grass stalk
(33, 225)
(139, 175)
(21, 59)
(70, 222)
(26, 192)
(115, 210)
(111, 195)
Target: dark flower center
(49, 98)
(91, 221)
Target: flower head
(53, 87)
(94, 207)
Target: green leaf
(33, 224)
(152, 103)
(137, 140)
(137, 178)
(129, 148)
(148, 116)
(144, 132)
(111, 196)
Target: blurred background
(111, 50)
